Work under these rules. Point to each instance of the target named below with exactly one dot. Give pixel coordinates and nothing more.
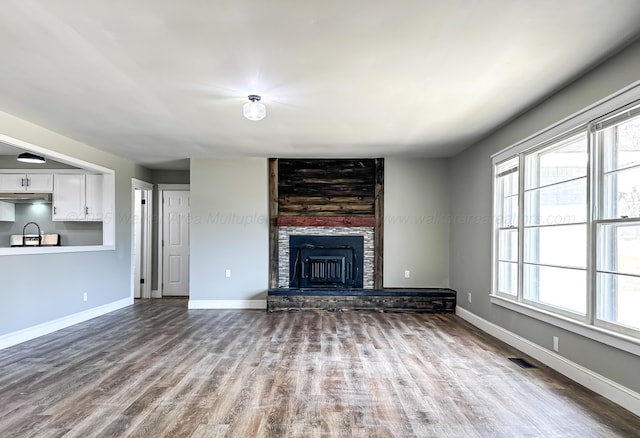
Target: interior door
(175, 239)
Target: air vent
(522, 363)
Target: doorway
(173, 245)
(141, 223)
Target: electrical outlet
(227, 273)
(469, 297)
(555, 343)
(85, 296)
(407, 274)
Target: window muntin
(562, 203)
(563, 160)
(564, 245)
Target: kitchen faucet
(24, 238)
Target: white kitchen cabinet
(77, 197)
(93, 198)
(7, 212)
(26, 182)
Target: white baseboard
(156, 294)
(227, 304)
(36, 331)
(607, 388)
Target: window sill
(607, 337)
(54, 249)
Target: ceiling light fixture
(254, 110)
(27, 157)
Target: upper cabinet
(7, 212)
(26, 182)
(78, 197)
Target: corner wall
(229, 230)
(416, 222)
(470, 238)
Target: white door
(175, 239)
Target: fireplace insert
(326, 261)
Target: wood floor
(156, 369)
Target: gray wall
(416, 225)
(56, 282)
(159, 176)
(470, 241)
(229, 229)
(71, 233)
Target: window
(555, 230)
(618, 223)
(567, 223)
(507, 227)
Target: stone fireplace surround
(284, 232)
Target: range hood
(26, 198)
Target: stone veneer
(283, 248)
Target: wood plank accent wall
(326, 187)
(273, 223)
(326, 192)
(378, 238)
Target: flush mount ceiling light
(27, 157)
(254, 110)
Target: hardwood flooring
(156, 369)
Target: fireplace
(326, 261)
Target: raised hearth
(428, 300)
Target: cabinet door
(68, 197)
(93, 198)
(13, 182)
(7, 212)
(40, 182)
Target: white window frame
(590, 326)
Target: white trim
(186, 187)
(54, 249)
(156, 294)
(593, 112)
(56, 156)
(228, 304)
(607, 388)
(607, 337)
(36, 331)
(139, 184)
(147, 216)
(108, 197)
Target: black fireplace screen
(326, 261)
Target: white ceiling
(159, 81)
